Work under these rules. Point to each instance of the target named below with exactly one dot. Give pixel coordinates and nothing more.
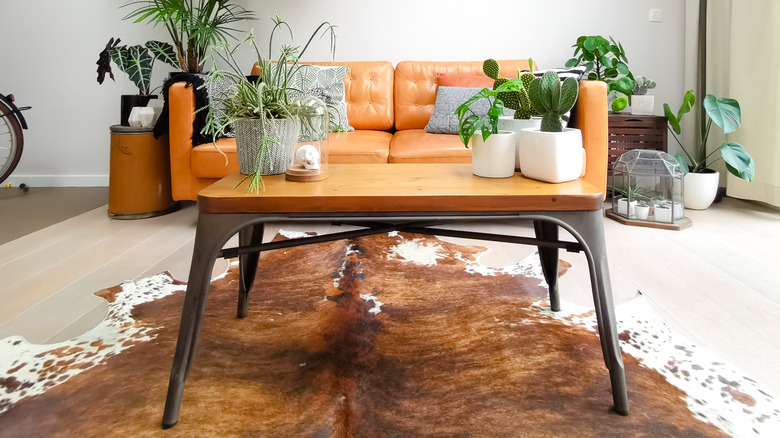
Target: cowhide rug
(389, 335)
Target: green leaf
(673, 121)
(466, 129)
(723, 112)
(622, 68)
(619, 104)
(136, 62)
(163, 52)
(624, 85)
(573, 62)
(689, 101)
(682, 161)
(738, 161)
(590, 43)
(606, 61)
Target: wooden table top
(392, 188)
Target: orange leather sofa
(389, 109)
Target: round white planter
(552, 157)
(700, 189)
(507, 123)
(494, 158)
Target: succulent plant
(642, 84)
(516, 100)
(552, 99)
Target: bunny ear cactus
(552, 99)
(642, 84)
(516, 100)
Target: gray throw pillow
(327, 84)
(448, 99)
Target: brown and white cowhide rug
(388, 335)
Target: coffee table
(394, 197)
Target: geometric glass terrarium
(309, 160)
(647, 186)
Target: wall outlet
(656, 15)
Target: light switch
(656, 15)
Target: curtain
(742, 62)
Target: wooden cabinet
(627, 132)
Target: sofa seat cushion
(418, 146)
(360, 146)
(207, 162)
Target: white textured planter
(626, 209)
(553, 157)
(642, 105)
(249, 137)
(642, 212)
(507, 123)
(700, 189)
(494, 158)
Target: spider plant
(266, 98)
(194, 25)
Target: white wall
(49, 48)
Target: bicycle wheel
(11, 141)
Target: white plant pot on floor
(508, 123)
(553, 157)
(700, 189)
(494, 158)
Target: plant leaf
(619, 104)
(738, 161)
(682, 161)
(163, 52)
(624, 85)
(673, 121)
(573, 62)
(723, 112)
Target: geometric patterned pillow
(327, 84)
(448, 99)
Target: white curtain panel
(743, 62)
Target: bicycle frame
(15, 110)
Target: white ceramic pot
(663, 214)
(626, 209)
(642, 212)
(642, 105)
(494, 158)
(553, 157)
(507, 123)
(699, 189)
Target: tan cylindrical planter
(140, 174)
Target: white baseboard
(58, 180)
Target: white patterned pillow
(448, 99)
(326, 83)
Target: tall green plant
(194, 25)
(552, 99)
(727, 115)
(604, 60)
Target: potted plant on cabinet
(260, 109)
(516, 100)
(605, 60)
(552, 153)
(700, 181)
(642, 104)
(493, 151)
(194, 25)
(136, 62)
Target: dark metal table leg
(588, 228)
(549, 259)
(211, 234)
(247, 265)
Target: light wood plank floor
(716, 282)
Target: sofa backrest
(415, 86)
(368, 90)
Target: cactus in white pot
(642, 104)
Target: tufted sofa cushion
(415, 86)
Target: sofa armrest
(181, 115)
(590, 116)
